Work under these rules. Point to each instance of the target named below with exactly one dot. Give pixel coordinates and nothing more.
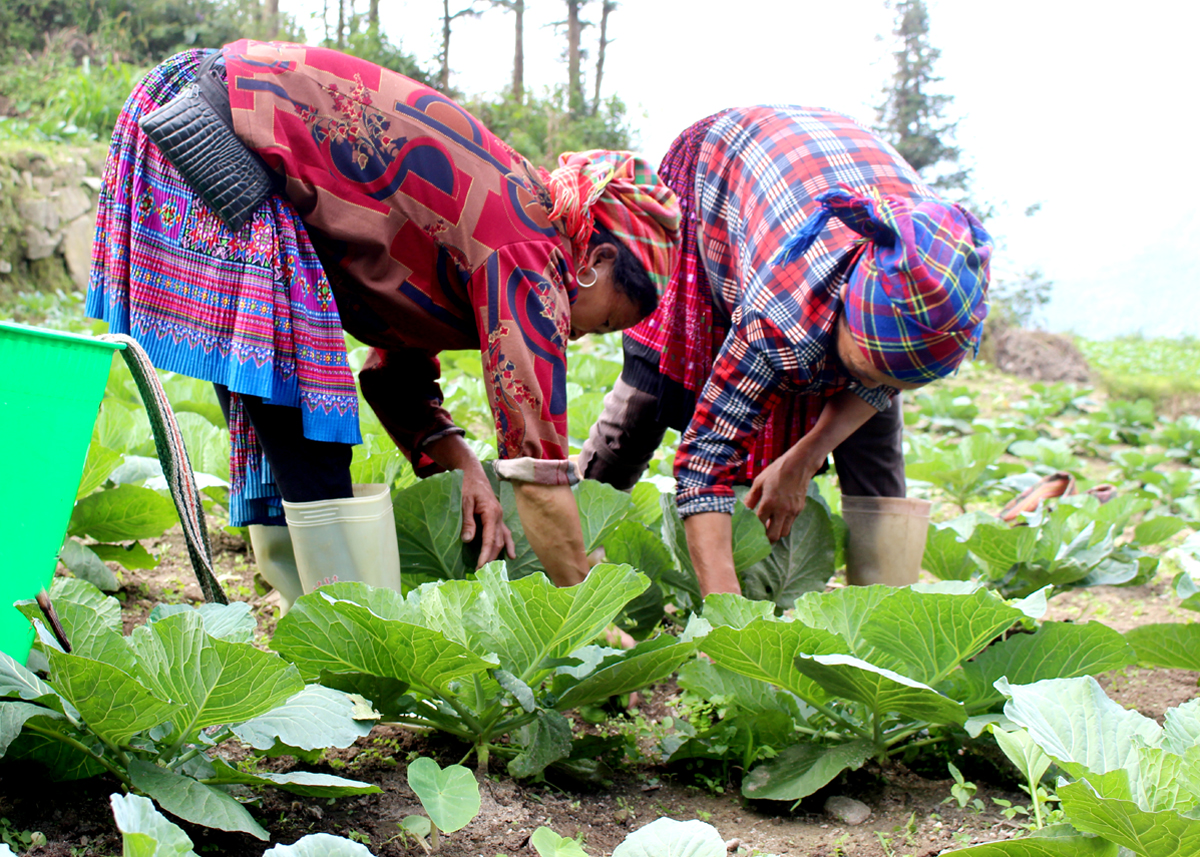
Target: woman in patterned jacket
(819, 277)
(397, 218)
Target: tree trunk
(372, 17)
(444, 74)
(608, 7)
(518, 83)
(271, 19)
(574, 84)
(341, 33)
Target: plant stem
(924, 742)
(833, 715)
(433, 836)
(79, 745)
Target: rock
(93, 183)
(40, 244)
(38, 212)
(71, 202)
(733, 845)
(620, 816)
(847, 810)
(77, 248)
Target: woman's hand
(779, 492)
(478, 501)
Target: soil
(1039, 356)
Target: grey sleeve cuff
(880, 398)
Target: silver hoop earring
(584, 285)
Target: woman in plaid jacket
(819, 277)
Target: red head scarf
(624, 194)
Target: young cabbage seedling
(449, 795)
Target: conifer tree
(912, 116)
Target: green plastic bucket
(51, 385)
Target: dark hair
(629, 276)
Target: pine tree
(912, 117)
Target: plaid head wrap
(917, 295)
(625, 195)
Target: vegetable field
(1035, 694)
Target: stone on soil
(847, 810)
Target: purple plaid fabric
(757, 178)
(918, 297)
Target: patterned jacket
(434, 233)
(757, 174)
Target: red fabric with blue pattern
(436, 233)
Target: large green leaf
(101, 461)
(1152, 531)
(321, 633)
(84, 563)
(645, 499)
(1173, 645)
(132, 556)
(233, 622)
(320, 845)
(803, 768)
(530, 621)
(207, 445)
(1055, 650)
(449, 795)
(546, 740)
(946, 555)
(215, 681)
(643, 665)
(82, 606)
(1060, 841)
(145, 831)
(429, 528)
(999, 547)
(193, 801)
(13, 716)
(1148, 834)
(1075, 722)
(17, 682)
(736, 611)
(882, 690)
(844, 612)
(114, 705)
(301, 783)
(722, 686)
(123, 513)
(315, 718)
(766, 650)
(60, 760)
(750, 543)
(1181, 729)
(630, 543)
(601, 508)
(798, 563)
(666, 837)
(932, 633)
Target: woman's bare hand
(779, 492)
(478, 501)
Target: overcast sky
(1084, 108)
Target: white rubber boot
(349, 539)
(276, 562)
(886, 541)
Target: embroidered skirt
(252, 310)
